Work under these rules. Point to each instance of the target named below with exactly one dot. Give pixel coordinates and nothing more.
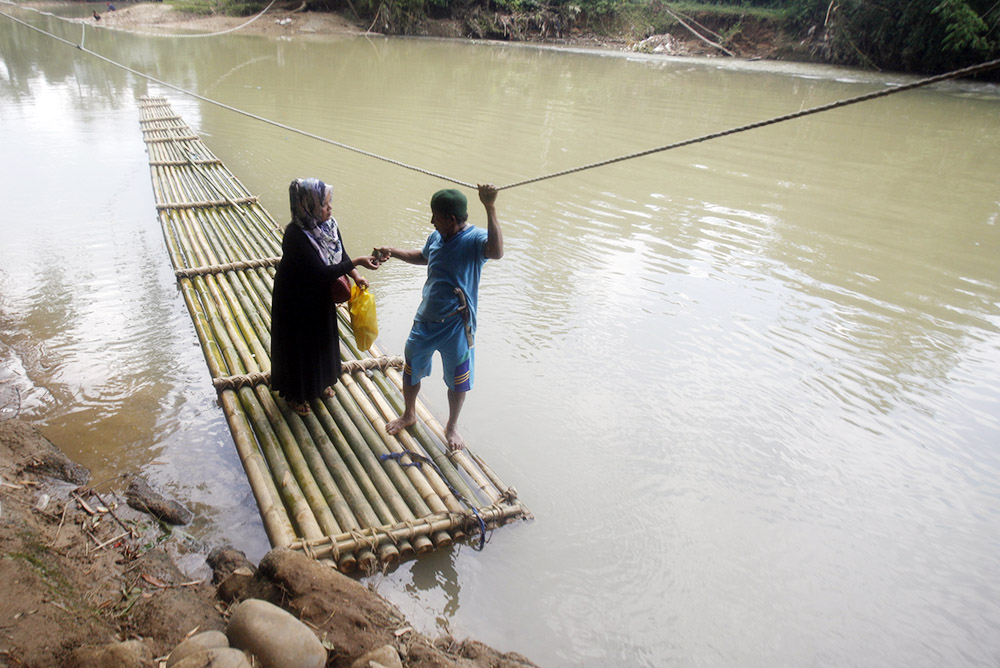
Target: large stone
(274, 636)
(385, 656)
(197, 643)
(215, 657)
(226, 560)
(143, 498)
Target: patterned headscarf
(307, 197)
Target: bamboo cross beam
(207, 204)
(188, 272)
(152, 140)
(178, 163)
(328, 545)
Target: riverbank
(756, 39)
(90, 581)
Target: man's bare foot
(400, 423)
(455, 440)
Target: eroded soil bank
(754, 38)
(89, 581)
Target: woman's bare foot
(300, 409)
(400, 423)
(329, 393)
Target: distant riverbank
(757, 39)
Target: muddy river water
(749, 388)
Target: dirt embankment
(163, 18)
(754, 39)
(88, 581)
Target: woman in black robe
(305, 347)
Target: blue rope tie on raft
(418, 460)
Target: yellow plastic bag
(363, 321)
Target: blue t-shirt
(455, 263)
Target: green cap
(450, 202)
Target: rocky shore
(89, 580)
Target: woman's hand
(366, 261)
(361, 281)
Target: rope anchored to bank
(956, 74)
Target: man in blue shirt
(454, 253)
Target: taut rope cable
(240, 111)
(966, 71)
(974, 69)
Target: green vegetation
(918, 35)
(925, 36)
(224, 7)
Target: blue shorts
(447, 338)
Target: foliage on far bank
(926, 36)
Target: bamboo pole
(408, 442)
(281, 473)
(276, 521)
(387, 499)
(277, 524)
(277, 464)
(279, 468)
(431, 445)
(392, 483)
(222, 292)
(310, 437)
(319, 427)
(460, 457)
(426, 500)
(279, 419)
(386, 444)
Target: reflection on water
(749, 388)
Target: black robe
(305, 346)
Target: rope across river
(955, 74)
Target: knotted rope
(235, 382)
(418, 460)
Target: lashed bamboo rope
(318, 481)
(492, 515)
(227, 266)
(206, 204)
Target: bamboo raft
(332, 484)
